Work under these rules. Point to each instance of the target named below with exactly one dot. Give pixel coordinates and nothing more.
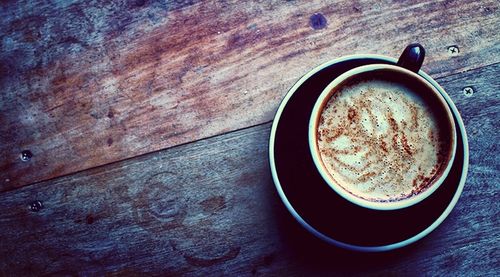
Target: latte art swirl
(380, 141)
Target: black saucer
(318, 207)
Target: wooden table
(145, 125)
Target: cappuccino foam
(380, 140)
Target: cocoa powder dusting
(404, 142)
(392, 122)
(352, 115)
(356, 129)
(383, 146)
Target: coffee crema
(381, 141)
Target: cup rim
(303, 221)
(312, 139)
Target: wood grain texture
(86, 83)
(210, 207)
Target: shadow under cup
(433, 105)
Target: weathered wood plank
(210, 207)
(85, 83)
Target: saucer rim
(344, 245)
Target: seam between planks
(268, 122)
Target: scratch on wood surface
(204, 262)
(213, 204)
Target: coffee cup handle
(412, 57)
